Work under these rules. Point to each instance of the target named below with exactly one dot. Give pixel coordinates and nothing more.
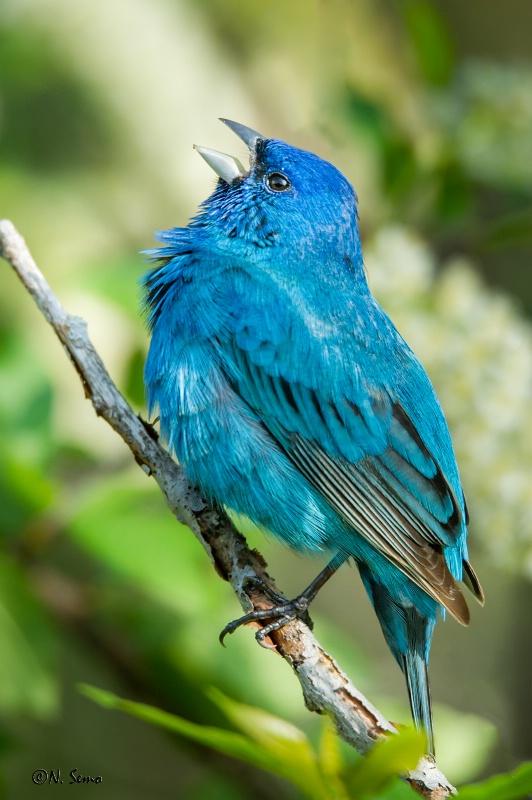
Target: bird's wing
(363, 454)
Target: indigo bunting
(289, 397)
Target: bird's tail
(408, 633)
(417, 680)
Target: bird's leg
(284, 610)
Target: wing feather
(358, 500)
(368, 461)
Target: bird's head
(288, 198)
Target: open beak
(228, 167)
(248, 135)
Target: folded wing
(369, 463)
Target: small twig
(325, 687)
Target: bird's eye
(277, 182)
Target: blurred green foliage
(282, 749)
(320, 773)
(99, 107)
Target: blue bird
(287, 394)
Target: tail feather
(417, 681)
(408, 632)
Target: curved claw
(260, 640)
(263, 633)
(280, 616)
(284, 610)
(253, 616)
(232, 626)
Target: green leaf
(388, 759)
(464, 741)
(510, 786)
(277, 747)
(288, 746)
(330, 755)
(330, 758)
(397, 790)
(224, 741)
(28, 679)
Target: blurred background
(427, 108)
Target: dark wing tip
(441, 585)
(472, 582)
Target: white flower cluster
(478, 352)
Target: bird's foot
(280, 614)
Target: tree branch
(325, 687)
